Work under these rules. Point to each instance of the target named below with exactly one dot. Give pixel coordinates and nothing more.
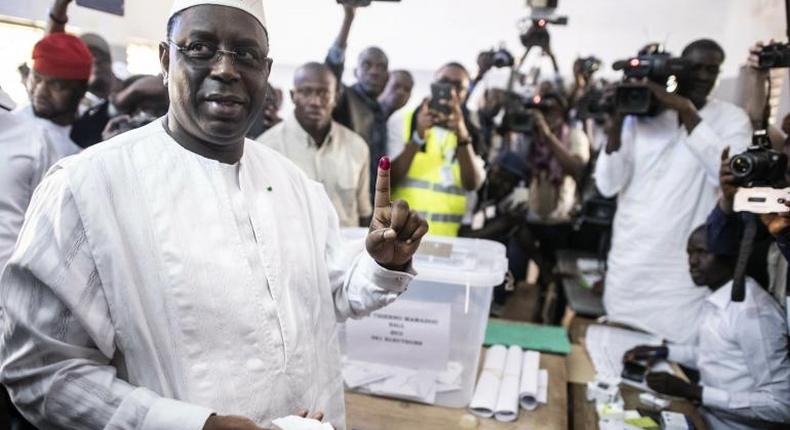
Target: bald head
(398, 91)
(314, 98)
(372, 71)
(314, 72)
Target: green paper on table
(535, 337)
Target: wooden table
(583, 414)
(376, 413)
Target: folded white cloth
(507, 403)
(484, 401)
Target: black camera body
(760, 165)
(517, 118)
(595, 105)
(589, 65)
(775, 56)
(635, 98)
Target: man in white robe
(180, 277)
(664, 172)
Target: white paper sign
(406, 334)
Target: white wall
(422, 34)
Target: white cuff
(388, 280)
(715, 398)
(169, 414)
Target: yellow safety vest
(433, 185)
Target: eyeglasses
(205, 53)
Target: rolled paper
(486, 394)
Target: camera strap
(744, 253)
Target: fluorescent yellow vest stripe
(443, 205)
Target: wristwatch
(415, 137)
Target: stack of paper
(607, 346)
(405, 383)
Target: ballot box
(425, 346)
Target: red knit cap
(62, 56)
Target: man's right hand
(728, 184)
(650, 354)
(216, 422)
(425, 119)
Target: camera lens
(741, 166)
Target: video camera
(518, 117)
(596, 105)
(635, 98)
(533, 28)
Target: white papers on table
(405, 383)
(607, 345)
(534, 382)
(486, 394)
(507, 401)
(298, 423)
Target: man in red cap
(57, 82)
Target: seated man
(741, 355)
(326, 151)
(438, 164)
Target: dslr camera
(633, 97)
(760, 175)
(775, 56)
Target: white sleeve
(761, 332)
(683, 354)
(359, 284)
(58, 337)
(20, 175)
(707, 144)
(613, 171)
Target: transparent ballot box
(425, 346)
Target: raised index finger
(382, 197)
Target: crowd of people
(127, 250)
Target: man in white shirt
(742, 354)
(664, 172)
(325, 150)
(179, 276)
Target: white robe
(58, 136)
(666, 184)
(25, 156)
(135, 301)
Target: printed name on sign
(405, 334)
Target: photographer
(741, 354)
(357, 105)
(438, 164)
(664, 169)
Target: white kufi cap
(252, 7)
